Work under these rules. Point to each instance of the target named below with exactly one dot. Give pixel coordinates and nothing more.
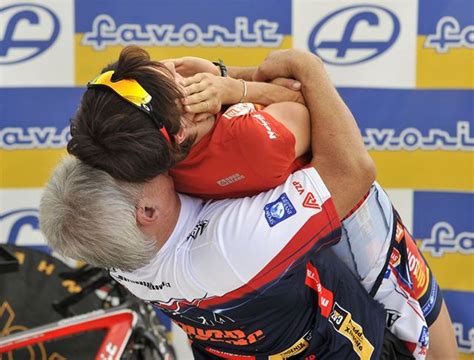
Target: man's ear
(180, 136)
(146, 213)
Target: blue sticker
(279, 210)
(424, 336)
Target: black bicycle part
(8, 262)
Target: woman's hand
(205, 93)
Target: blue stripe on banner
(431, 11)
(25, 107)
(462, 317)
(399, 109)
(202, 13)
(413, 119)
(422, 109)
(425, 119)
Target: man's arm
(239, 72)
(338, 150)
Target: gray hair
(87, 215)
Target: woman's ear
(180, 135)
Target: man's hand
(189, 65)
(291, 64)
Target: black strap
(222, 68)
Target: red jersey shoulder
(251, 125)
(239, 110)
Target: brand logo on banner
(34, 138)
(36, 43)
(368, 31)
(106, 32)
(464, 337)
(459, 305)
(29, 30)
(449, 34)
(21, 227)
(443, 221)
(444, 239)
(413, 139)
(445, 44)
(360, 44)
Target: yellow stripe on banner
(89, 62)
(416, 170)
(463, 356)
(28, 168)
(452, 271)
(453, 69)
(425, 170)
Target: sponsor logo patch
(325, 296)
(395, 258)
(198, 230)
(262, 121)
(294, 349)
(279, 210)
(343, 323)
(146, 284)
(298, 187)
(400, 232)
(424, 336)
(230, 179)
(238, 110)
(392, 317)
(311, 202)
(235, 337)
(419, 272)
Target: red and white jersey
(220, 246)
(249, 277)
(246, 152)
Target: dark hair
(112, 135)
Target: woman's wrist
(233, 91)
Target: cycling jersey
(245, 153)
(248, 151)
(251, 278)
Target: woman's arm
(207, 93)
(213, 91)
